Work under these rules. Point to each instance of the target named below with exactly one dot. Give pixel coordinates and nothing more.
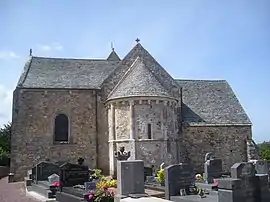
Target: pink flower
(91, 196)
(111, 191)
(103, 187)
(216, 182)
(56, 184)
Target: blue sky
(192, 39)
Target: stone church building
(64, 109)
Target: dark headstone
(73, 174)
(241, 170)
(212, 170)
(43, 170)
(181, 176)
(261, 167)
(148, 171)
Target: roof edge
(25, 72)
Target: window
(149, 131)
(61, 128)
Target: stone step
(65, 197)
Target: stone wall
(226, 142)
(34, 111)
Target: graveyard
(69, 182)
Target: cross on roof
(137, 40)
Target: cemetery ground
(13, 192)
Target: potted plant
(161, 177)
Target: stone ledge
(139, 140)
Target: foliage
(5, 134)
(161, 176)
(105, 191)
(97, 174)
(265, 150)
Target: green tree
(265, 150)
(5, 134)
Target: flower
(91, 196)
(216, 182)
(56, 184)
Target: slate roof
(139, 81)
(210, 101)
(42, 72)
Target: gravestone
(148, 171)
(73, 174)
(212, 170)
(53, 178)
(178, 177)
(43, 170)
(130, 178)
(90, 186)
(244, 185)
(261, 167)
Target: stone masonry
(133, 102)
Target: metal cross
(137, 40)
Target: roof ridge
(59, 58)
(214, 80)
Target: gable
(154, 67)
(138, 81)
(211, 102)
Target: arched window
(61, 128)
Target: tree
(265, 150)
(5, 135)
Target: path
(13, 192)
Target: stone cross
(137, 40)
(122, 155)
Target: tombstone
(90, 186)
(178, 177)
(53, 178)
(148, 172)
(130, 178)
(73, 174)
(122, 155)
(244, 185)
(43, 170)
(261, 167)
(212, 170)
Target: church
(64, 109)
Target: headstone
(180, 176)
(244, 185)
(73, 174)
(130, 177)
(261, 167)
(43, 170)
(90, 186)
(147, 172)
(53, 178)
(212, 170)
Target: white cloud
(8, 55)
(50, 47)
(6, 105)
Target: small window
(61, 128)
(149, 131)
